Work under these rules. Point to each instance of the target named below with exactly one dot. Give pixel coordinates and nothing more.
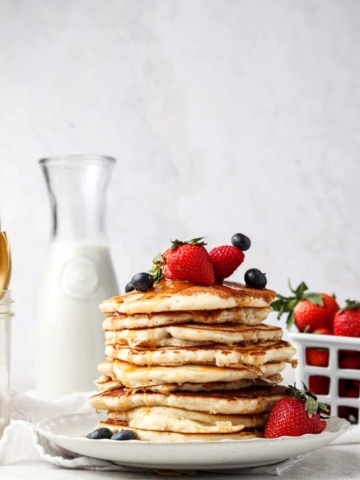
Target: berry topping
(129, 287)
(188, 261)
(100, 433)
(191, 262)
(255, 278)
(124, 434)
(241, 241)
(142, 281)
(225, 259)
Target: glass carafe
(78, 276)
(6, 315)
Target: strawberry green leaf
(194, 241)
(278, 306)
(300, 290)
(311, 406)
(156, 269)
(350, 305)
(310, 400)
(290, 320)
(314, 298)
(159, 259)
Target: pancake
(169, 419)
(185, 362)
(250, 400)
(106, 383)
(132, 376)
(192, 335)
(248, 354)
(244, 315)
(168, 436)
(178, 296)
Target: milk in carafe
(78, 276)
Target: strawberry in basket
(309, 311)
(347, 320)
(320, 313)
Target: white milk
(70, 339)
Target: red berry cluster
(320, 313)
(190, 261)
(346, 387)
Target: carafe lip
(76, 159)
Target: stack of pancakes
(190, 362)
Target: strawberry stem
(194, 241)
(350, 305)
(156, 269)
(311, 402)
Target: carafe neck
(77, 187)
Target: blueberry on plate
(124, 434)
(99, 433)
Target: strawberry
(348, 388)
(188, 261)
(318, 357)
(225, 259)
(308, 310)
(319, 384)
(350, 413)
(347, 320)
(349, 359)
(295, 415)
(322, 331)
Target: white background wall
(224, 116)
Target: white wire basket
(330, 379)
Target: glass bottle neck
(77, 190)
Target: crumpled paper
(23, 441)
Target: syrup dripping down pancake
(248, 354)
(132, 376)
(243, 315)
(249, 400)
(192, 335)
(106, 383)
(178, 296)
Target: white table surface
(333, 462)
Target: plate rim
(226, 448)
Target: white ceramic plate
(68, 432)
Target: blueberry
(241, 241)
(129, 287)
(255, 278)
(124, 434)
(99, 433)
(142, 281)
